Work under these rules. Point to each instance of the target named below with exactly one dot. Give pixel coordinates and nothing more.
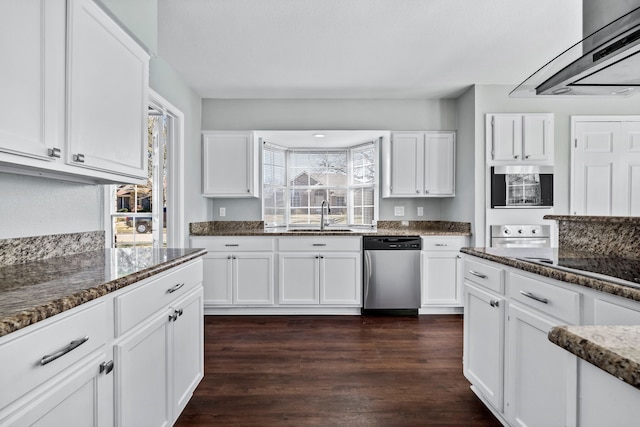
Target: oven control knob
(520, 231)
(534, 231)
(507, 231)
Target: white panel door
(631, 156)
(407, 164)
(341, 278)
(483, 359)
(538, 372)
(217, 278)
(594, 158)
(32, 48)
(439, 163)
(507, 138)
(299, 278)
(187, 347)
(537, 138)
(228, 165)
(253, 278)
(107, 101)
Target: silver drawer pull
(78, 158)
(54, 152)
(66, 349)
(319, 244)
(231, 244)
(175, 288)
(475, 273)
(494, 303)
(535, 297)
(441, 244)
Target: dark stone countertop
(33, 291)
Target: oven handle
(510, 242)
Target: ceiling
(361, 48)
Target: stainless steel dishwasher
(391, 274)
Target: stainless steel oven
(520, 236)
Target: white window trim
(176, 227)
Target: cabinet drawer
(140, 303)
(550, 299)
(234, 244)
(485, 275)
(320, 243)
(443, 243)
(58, 345)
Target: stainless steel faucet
(322, 205)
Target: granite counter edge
(15, 322)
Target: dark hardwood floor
(334, 371)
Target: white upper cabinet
(605, 177)
(230, 164)
(74, 92)
(32, 47)
(107, 94)
(419, 164)
(519, 139)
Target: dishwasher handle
(367, 274)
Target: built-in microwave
(521, 187)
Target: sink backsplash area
(609, 236)
(26, 249)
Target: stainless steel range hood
(606, 63)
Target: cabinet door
(107, 94)
(441, 279)
(217, 278)
(253, 278)
(229, 165)
(439, 174)
(142, 375)
(298, 278)
(187, 350)
(506, 138)
(537, 138)
(341, 278)
(407, 164)
(32, 47)
(75, 399)
(539, 373)
(630, 181)
(483, 359)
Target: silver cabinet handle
(426, 191)
(319, 244)
(106, 367)
(516, 156)
(173, 317)
(231, 244)
(228, 256)
(54, 152)
(475, 273)
(175, 288)
(527, 156)
(64, 350)
(441, 244)
(459, 256)
(494, 303)
(418, 191)
(78, 158)
(535, 297)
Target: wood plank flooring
(334, 371)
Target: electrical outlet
(223, 211)
(398, 210)
(420, 211)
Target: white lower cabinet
(441, 267)
(320, 278)
(539, 373)
(160, 364)
(130, 358)
(483, 359)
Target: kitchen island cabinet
(140, 335)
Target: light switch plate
(223, 211)
(398, 210)
(420, 211)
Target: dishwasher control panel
(392, 243)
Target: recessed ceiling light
(560, 91)
(622, 91)
(319, 135)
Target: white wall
(328, 114)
